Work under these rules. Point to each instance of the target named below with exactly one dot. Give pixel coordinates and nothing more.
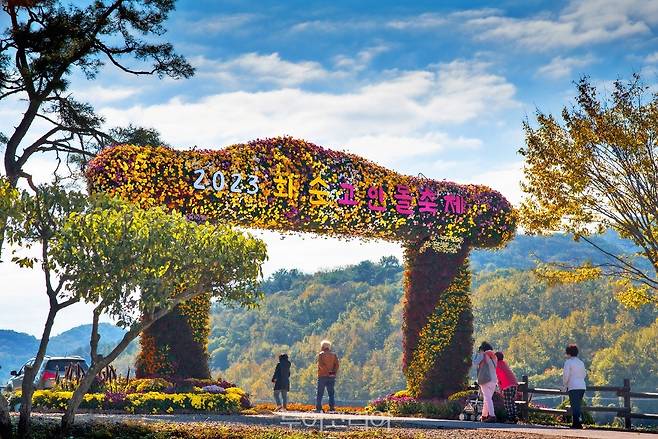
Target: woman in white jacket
(486, 358)
(573, 379)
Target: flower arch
(291, 185)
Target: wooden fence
(624, 411)
(623, 392)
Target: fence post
(526, 398)
(627, 403)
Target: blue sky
(439, 88)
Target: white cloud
(579, 23)
(400, 147)
(651, 58)
(311, 253)
(334, 26)
(98, 94)
(218, 23)
(362, 59)
(562, 67)
(505, 179)
(406, 109)
(255, 68)
(419, 22)
(426, 21)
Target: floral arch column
(290, 185)
(437, 326)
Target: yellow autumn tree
(593, 169)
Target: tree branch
(628, 267)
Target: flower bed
(402, 404)
(149, 402)
(297, 407)
(145, 395)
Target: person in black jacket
(281, 380)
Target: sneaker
(318, 411)
(577, 427)
(333, 412)
(489, 419)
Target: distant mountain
(75, 341)
(17, 347)
(524, 250)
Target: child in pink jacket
(508, 385)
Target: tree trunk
(5, 421)
(94, 369)
(438, 322)
(176, 346)
(100, 362)
(78, 395)
(30, 374)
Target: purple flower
(115, 397)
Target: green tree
(132, 135)
(136, 135)
(37, 220)
(136, 265)
(8, 207)
(597, 170)
(633, 355)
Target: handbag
(484, 372)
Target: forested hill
(359, 308)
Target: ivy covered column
(437, 324)
(176, 346)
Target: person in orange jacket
(327, 370)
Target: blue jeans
(279, 395)
(576, 401)
(329, 384)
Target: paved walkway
(341, 422)
(407, 422)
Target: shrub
(541, 418)
(408, 406)
(586, 416)
(402, 393)
(14, 399)
(463, 395)
(56, 400)
(144, 385)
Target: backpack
(484, 371)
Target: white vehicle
(50, 368)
